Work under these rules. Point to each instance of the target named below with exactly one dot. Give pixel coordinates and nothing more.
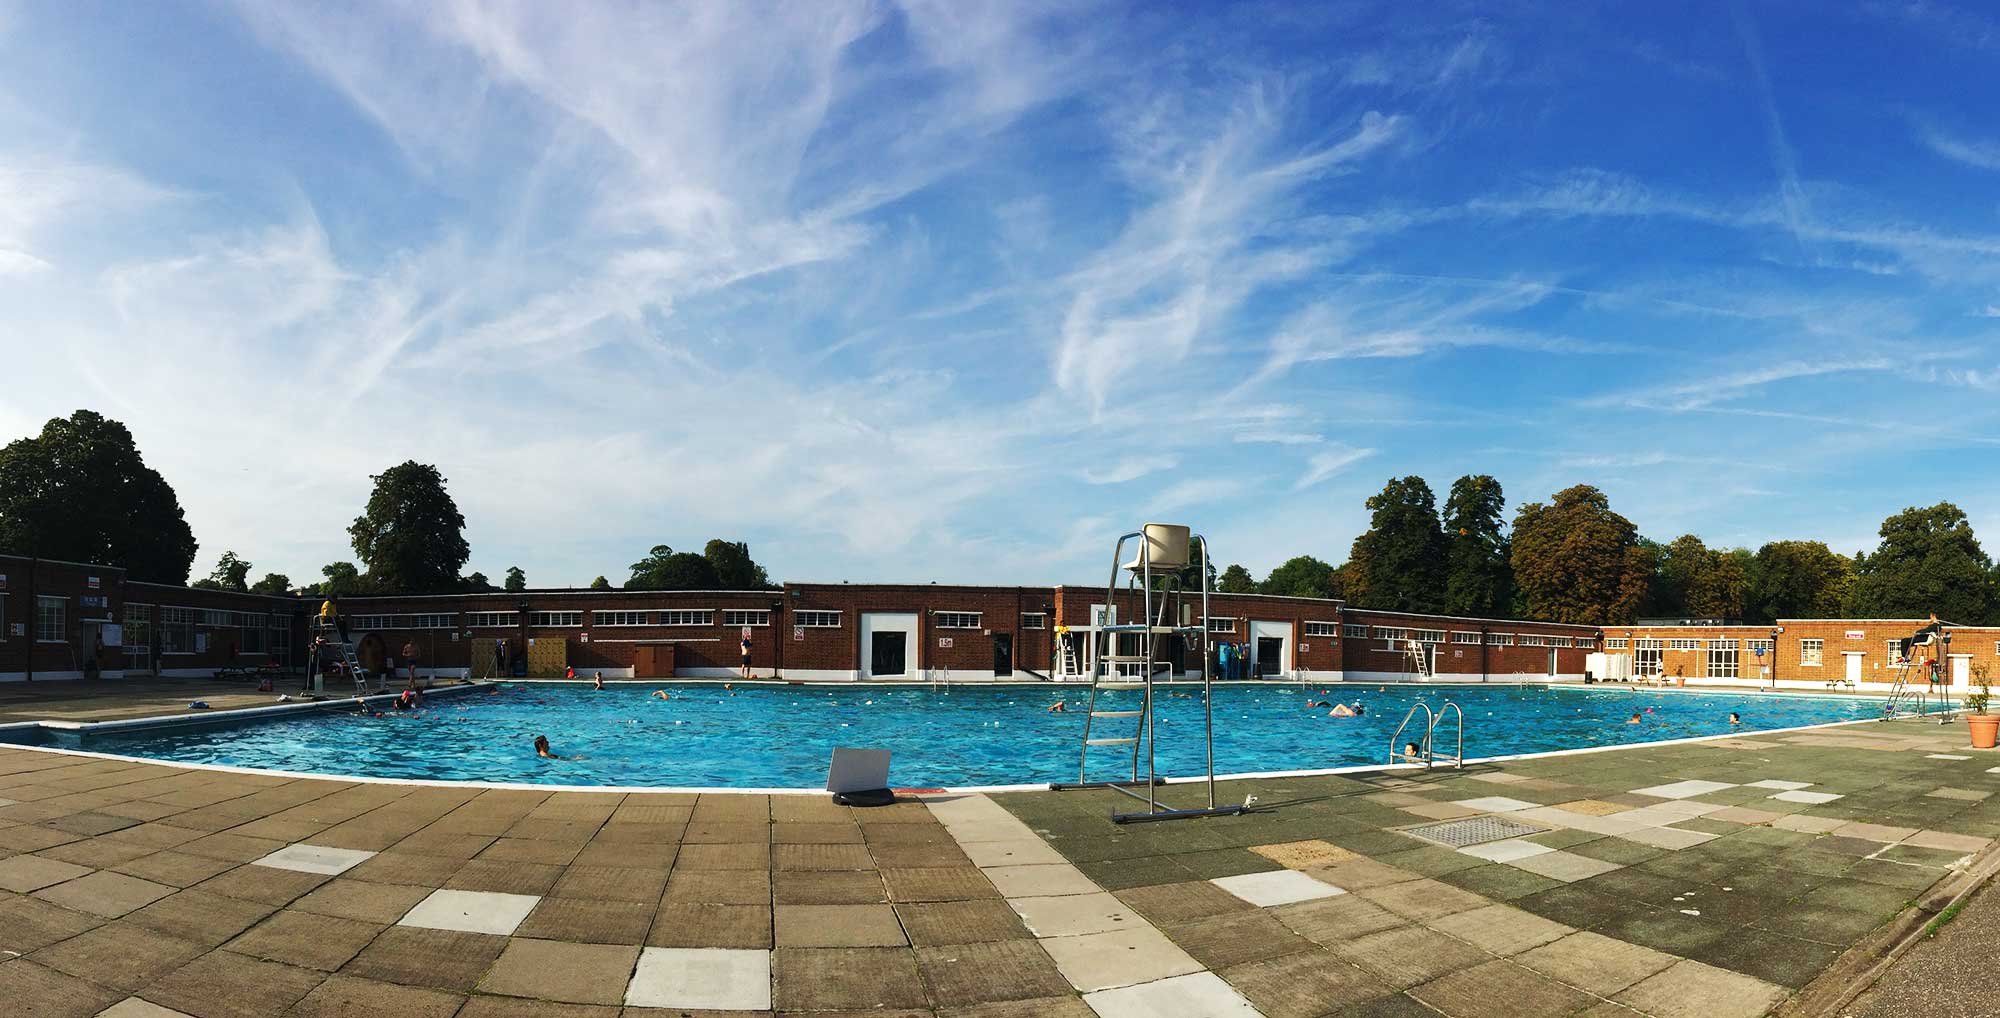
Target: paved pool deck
(1697, 880)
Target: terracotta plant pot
(1985, 729)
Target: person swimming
(542, 748)
(1733, 719)
(597, 680)
(1633, 720)
(661, 694)
(1341, 710)
(1058, 708)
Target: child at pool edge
(597, 680)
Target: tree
(517, 580)
(1576, 561)
(600, 584)
(1928, 561)
(1402, 552)
(1300, 576)
(230, 573)
(1798, 580)
(1236, 580)
(342, 578)
(734, 568)
(646, 569)
(411, 537)
(477, 582)
(1477, 580)
(274, 584)
(81, 491)
(1692, 579)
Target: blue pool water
(764, 736)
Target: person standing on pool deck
(410, 659)
(746, 655)
(597, 680)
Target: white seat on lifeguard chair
(1164, 546)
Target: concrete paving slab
(838, 926)
(1073, 914)
(1596, 962)
(1945, 756)
(133, 1007)
(1040, 881)
(1947, 842)
(1301, 855)
(553, 970)
(1402, 958)
(845, 979)
(1337, 920)
(1744, 815)
(1685, 808)
(1440, 811)
(306, 940)
(1591, 807)
(1691, 989)
(1961, 794)
(1809, 798)
(704, 925)
(1683, 789)
(1500, 989)
(701, 978)
(1506, 851)
(471, 911)
(1495, 804)
(1807, 823)
(107, 894)
(1565, 866)
(1880, 833)
(1667, 837)
(1277, 887)
(1098, 961)
(1785, 786)
(1013, 853)
(346, 996)
(1194, 995)
(967, 975)
(942, 923)
(1501, 930)
(315, 859)
(24, 873)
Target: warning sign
(798, 633)
(746, 632)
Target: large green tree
(1798, 580)
(274, 584)
(666, 569)
(81, 491)
(411, 537)
(1928, 561)
(1692, 579)
(1236, 580)
(1402, 552)
(231, 572)
(1577, 561)
(734, 568)
(342, 578)
(600, 584)
(477, 582)
(1300, 576)
(517, 580)
(1478, 579)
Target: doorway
(1961, 669)
(1853, 665)
(886, 654)
(888, 645)
(1270, 648)
(1269, 655)
(1003, 654)
(1552, 662)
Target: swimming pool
(781, 736)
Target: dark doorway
(1003, 654)
(885, 654)
(1270, 655)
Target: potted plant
(1985, 727)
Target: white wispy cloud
(1325, 464)
(1980, 153)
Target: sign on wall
(799, 633)
(17, 629)
(3, 581)
(746, 632)
(91, 582)
(944, 641)
(1305, 648)
(1857, 634)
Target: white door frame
(1853, 664)
(1960, 672)
(889, 622)
(1280, 630)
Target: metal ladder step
(1111, 742)
(1116, 713)
(1121, 685)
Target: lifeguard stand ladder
(1420, 659)
(1163, 553)
(329, 633)
(1917, 696)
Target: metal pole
(1207, 700)
(1146, 616)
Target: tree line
(81, 491)
(1574, 559)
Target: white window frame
(280, 637)
(258, 644)
(137, 630)
(3, 617)
(177, 630)
(687, 616)
(1499, 639)
(1587, 642)
(1351, 631)
(1683, 644)
(1460, 636)
(1812, 652)
(555, 620)
(61, 606)
(1648, 656)
(1330, 630)
(1561, 642)
(433, 620)
(1429, 635)
(1617, 643)
(1034, 620)
(1533, 640)
(493, 620)
(617, 619)
(1723, 660)
(816, 618)
(1229, 623)
(755, 618)
(957, 620)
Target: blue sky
(957, 291)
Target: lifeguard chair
(1155, 579)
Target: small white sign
(91, 582)
(746, 632)
(799, 633)
(1857, 634)
(944, 641)
(1305, 648)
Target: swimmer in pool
(661, 694)
(597, 680)
(1341, 710)
(1633, 720)
(1733, 719)
(542, 748)
(1320, 703)
(1058, 708)
(1411, 751)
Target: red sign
(91, 582)
(799, 633)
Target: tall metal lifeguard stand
(1154, 580)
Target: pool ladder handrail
(1427, 749)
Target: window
(1561, 641)
(439, 620)
(1218, 624)
(1430, 636)
(1586, 642)
(688, 617)
(281, 637)
(216, 618)
(1756, 645)
(556, 620)
(1722, 659)
(1532, 640)
(1391, 635)
(1895, 652)
(492, 620)
(958, 620)
(1682, 644)
(359, 622)
(1034, 620)
(747, 617)
(1320, 629)
(177, 630)
(1458, 636)
(138, 626)
(816, 619)
(1617, 643)
(617, 618)
(1354, 632)
(1499, 639)
(253, 641)
(1812, 653)
(1646, 657)
(50, 619)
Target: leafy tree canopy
(230, 573)
(1236, 580)
(600, 584)
(1300, 576)
(478, 583)
(81, 491)
(1690, 579)
(517, 580)
(1402, 553)
(411, 537)
(275, 584)
(1798, 580)
(734, 568)
(1577, 561)
(1478, 578)
(342, 579)
(1928, 561)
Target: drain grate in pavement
(1473, 831)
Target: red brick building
(1797, 653)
